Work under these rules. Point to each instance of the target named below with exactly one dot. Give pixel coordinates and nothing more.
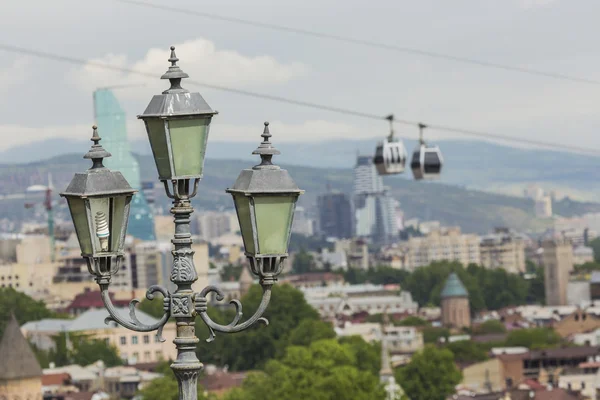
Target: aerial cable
(302, 103)
(363, 42)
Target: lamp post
(177, 123)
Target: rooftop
(454, 287)
(17, 358)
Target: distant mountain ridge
(474, 210)
(469, 163)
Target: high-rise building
(335, 215)
(455, 303)
(303, 224)
(375, 209)
(112, 127)
(557, 258)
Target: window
(159, 355)
(156, 339)
(146, 339)
(146, 356)
(134, 340)
(123, 340)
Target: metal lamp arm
(201, 306)
(134, 324)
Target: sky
(41, 99)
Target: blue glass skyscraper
(112, 127)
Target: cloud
(199, 58)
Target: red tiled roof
(93, 299)
(55, 379)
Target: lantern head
(99, 201)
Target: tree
(595, 245)
(368, 355)
(325, 370)
(22, 306)
(432, 334)
(430, 375)
(491, 326)
(153, 307)
(88, 351)
(467, 351)
(533, 338)
(412, 320)
(252, 348)
(308, 331)
(166, 388)
(303, 262)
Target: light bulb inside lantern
(102, 230)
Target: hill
(474, 210)
(474, 164)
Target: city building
(356, 251)
(112, 126)
(335, 215)
(314, 280)
(578, 322)
(133, 347)
(92, 299)
(583, 255)
(20, 372)
(456, 311)
(212, 224)
(404, 339)
(543, 207)
(374, 209)
(557, 258)
(303, 224)
(503, 249)
(446, 244)
(345, 306)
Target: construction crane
(49, 210)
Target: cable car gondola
(390, 155)
(426, 160)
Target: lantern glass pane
(160, 150)
(100, 218)
(242, 206)
(273, 222)
(188, 144)
(118, 222)
(79, 216)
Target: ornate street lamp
(177, 123)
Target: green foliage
(412, 320)
(533, 338)
(595, 245)
(303, 262)
(432, 334)
(491, 326)
(254, 347)
(165, 388)
(468, 351)
(368, 355)
(88, 351)
(588, 267)
(325, 370)
(430, 375)
(378, 276)
(308, 331)
(153, 307)
(22, 306)
(231, 272)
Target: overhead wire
(302, 103)
(362, 42)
